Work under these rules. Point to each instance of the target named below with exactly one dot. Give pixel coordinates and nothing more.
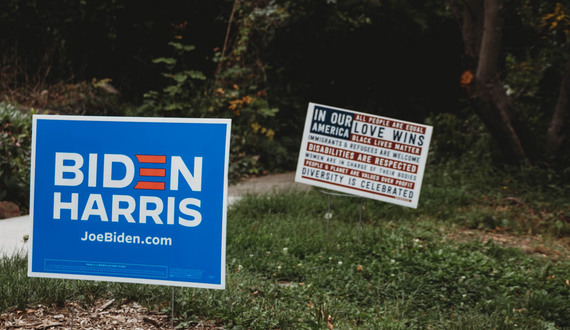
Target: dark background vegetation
(260, 62)
(403, 57)
(498, 172)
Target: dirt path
(266, 184)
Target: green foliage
(234, 94)
(181, 95)
(241, 86)
(463, 171)
(459, 136)
(534, 68)
(15, 144)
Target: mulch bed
(104, 315)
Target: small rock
(9, 210)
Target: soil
(103, 315)
(530, 244)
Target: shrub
(15, 143)
(189, 93)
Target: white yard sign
(362, 154)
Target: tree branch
(471, 30)
(488, 93)
(226, 39)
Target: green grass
(284, 271)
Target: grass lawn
(468, 257)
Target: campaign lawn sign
(127, 199)
(362, 154)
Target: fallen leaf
(151, 321)
(49, 325)
(106, 305)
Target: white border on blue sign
(220, 286)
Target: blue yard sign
(124, 199)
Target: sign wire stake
(328, 217)
(360, 219)
(73, 303)
(172, 307)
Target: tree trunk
(472, 30)
(491, 100)
(496, 110)
(482, 35)
(558, 126)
